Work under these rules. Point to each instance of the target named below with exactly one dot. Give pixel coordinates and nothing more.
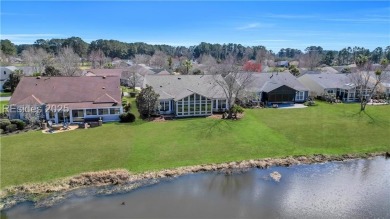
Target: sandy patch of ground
(70, 128)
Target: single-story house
(67, 99)
(340, 85)
(273, 88)
(285, 64)
(188, 95)
(4, 74)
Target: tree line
(123, 50)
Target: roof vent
(104, 77)
(103, 87)
(179, 78)
(38, 77)
(160, 85)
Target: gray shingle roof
(270, 81)
(329, 80)
(179, 86)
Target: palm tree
(188, 65)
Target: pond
(350, 189)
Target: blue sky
(280, 24)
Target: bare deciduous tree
(38, 58)
(233, 85)
(133, 78)
(159, 60)
(209, 64)
(97, 58)
(310, 60)
(141, 59)
(367, 78)
(68, 62)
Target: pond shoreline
(120, 180)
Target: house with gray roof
(273, 88)
(340, 85)
(4, 74)
(188, 95)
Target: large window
(219, 104)
(51, 115)
(103, 111)
(164, 106)
(78, 113)
(194, 104)
(91, 112)
(300, 95)
(115, 111)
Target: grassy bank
(5, 94)
(326, 129)
(3, 105)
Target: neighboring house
(338, 84)
(103, 72)
(272, 88)
(112, 72)
(67, 99)
(188, 95)
(4, 74)
(282, 64)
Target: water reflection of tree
(230, 185)
(361, 167)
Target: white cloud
(249, 26)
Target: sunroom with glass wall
(194, 105)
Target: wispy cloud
(27, 38)
(249, 26)
(253, 26)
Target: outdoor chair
(65, 126)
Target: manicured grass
(326, 129)
(3, 105)
(5, 94)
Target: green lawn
(5, 94)
(327, 129)
(3, 105)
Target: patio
(59, 129)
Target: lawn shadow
(211, 128)
(365, 116)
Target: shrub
(4, 123)
(127, 117)
(127, 107)
(19, 123)
(310, 103)
(11, 128)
